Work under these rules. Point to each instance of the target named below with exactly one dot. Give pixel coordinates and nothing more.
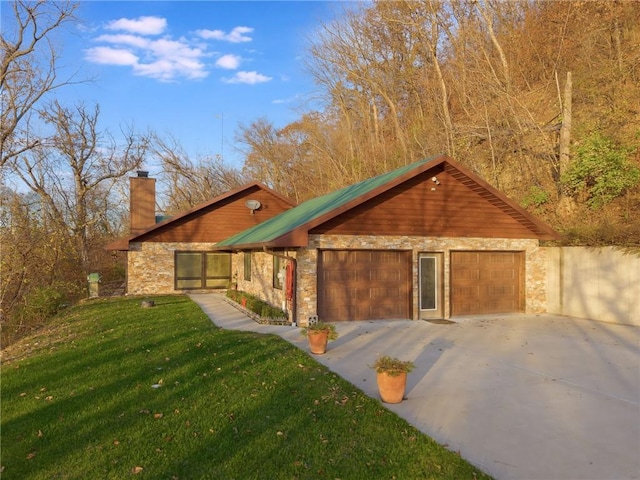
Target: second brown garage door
(487, 282)
(364, 285)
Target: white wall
(597, 283)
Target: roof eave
(120, 245)
(236, 248)
(294, 239)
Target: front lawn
(112, 390)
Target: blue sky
(193, 69)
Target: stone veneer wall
(261, 283)
(535, 264)
(150, 266)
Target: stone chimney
(142, 202)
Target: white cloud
(140, 25)
(237, 35)
(161, 58)
(167, 70)
(229, 62)
(281, 101)
(250, 78)
(111, 56)
(131, 40)
(165, 58)
(165, 48)
(211, 34)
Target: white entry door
(430, 285)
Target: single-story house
(428, 240)
(176, 255)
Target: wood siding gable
(214, 220)
(220, 219)
(454, 205)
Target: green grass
(79, 402)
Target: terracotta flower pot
(318, 341)
(392, 388)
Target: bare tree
(365, 67)
(28, 69)
(188, 182)
(74, 170)
(417, 31)
(269, 157)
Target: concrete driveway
(535, 397)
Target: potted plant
(392, 377)
(318, 334)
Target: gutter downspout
(294, 303)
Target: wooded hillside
(542, 99)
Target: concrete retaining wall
(597, 283)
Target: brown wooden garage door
(364, 285)
(487, 282)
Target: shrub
(536, 197)
(269, 311)
(601, 171)
(255, 305)
(234, 295)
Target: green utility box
(94, 282)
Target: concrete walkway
(527, 397)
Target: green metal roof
(305, 213)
